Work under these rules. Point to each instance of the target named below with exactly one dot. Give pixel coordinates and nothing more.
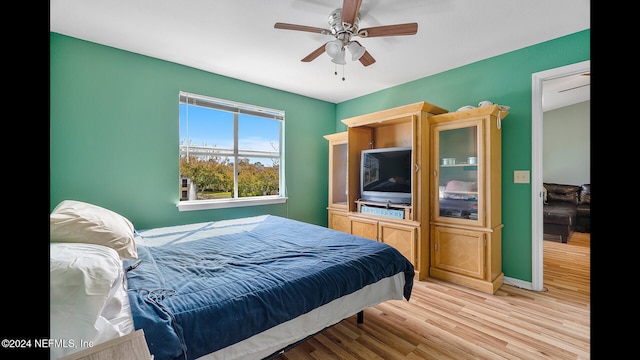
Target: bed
(245, 288)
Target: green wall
(504, 80)
(114, 135)
(114, 131)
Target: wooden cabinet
(339, 220)
(402, 235)
(454, 230)
(404, 126)
(405, 238)
(365, 227)
(459, 251)
(466, 189)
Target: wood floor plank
(448, 321)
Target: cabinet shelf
(460, 165)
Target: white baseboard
(518, 283)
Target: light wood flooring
(447, 321)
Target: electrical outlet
(521, 176)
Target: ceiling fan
(345, 24)
(577, 86)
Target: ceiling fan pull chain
(335, 71)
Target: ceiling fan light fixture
(356, 50)
(334, 49)
(340, 58)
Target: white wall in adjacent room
(567, 145)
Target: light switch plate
(521, 176)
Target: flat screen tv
(385, 175)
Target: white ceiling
(237, 38)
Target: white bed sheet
(88, 301)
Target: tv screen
(385, 175)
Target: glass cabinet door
(458, 172)
(338, 151)
(339, 174)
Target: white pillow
(88, 301)
(80, 222)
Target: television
(385, 175)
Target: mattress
(225, 288)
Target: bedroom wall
(114, 135)
(113, 130)
(505, 80)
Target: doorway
(537, 234)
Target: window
(231, 154)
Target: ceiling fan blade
(350, 9)
(317, 52)
(573, 88)
(367, 59)
(295, 27)
(389, 30)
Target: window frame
(237, 108)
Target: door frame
(537, 234)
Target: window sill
(228, 203)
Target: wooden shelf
(459, 165)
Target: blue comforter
(199, 288)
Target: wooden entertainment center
(441, 243)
